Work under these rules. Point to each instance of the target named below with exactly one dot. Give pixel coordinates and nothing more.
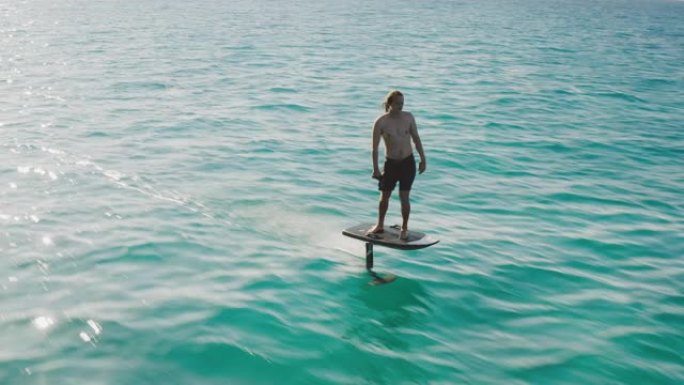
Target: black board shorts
(402, 171)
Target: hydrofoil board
(390, 237)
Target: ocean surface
(175, 176)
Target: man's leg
(405, 211)
(382, 210)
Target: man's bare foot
(375, 230)
(404, 234)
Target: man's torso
(396, 133)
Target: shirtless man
(396, 128)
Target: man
(396, 128)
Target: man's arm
(419, 145)
(374, 149)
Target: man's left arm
(419, 145)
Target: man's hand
(422, 166)
(377, 174)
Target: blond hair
(390, 98)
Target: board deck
(390, 237)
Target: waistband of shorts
(398, 161)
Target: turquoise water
(174, 177)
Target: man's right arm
(374, 149)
